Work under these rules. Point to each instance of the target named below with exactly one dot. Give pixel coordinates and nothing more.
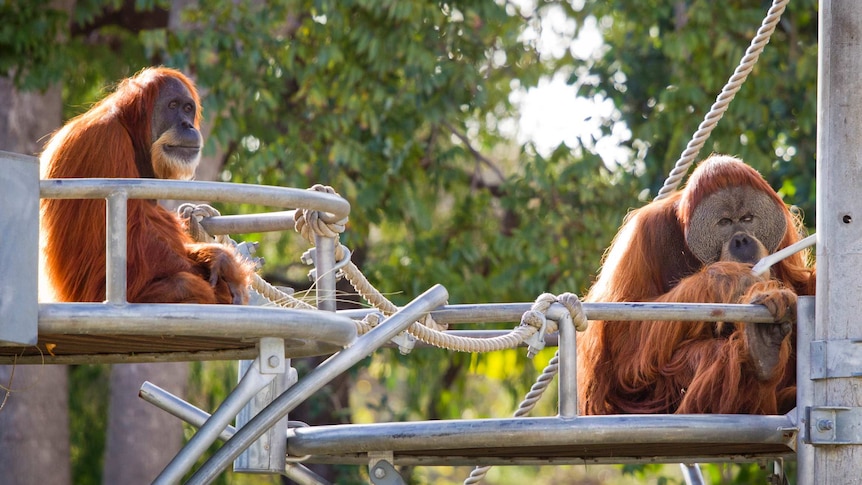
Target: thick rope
(576, 310)
(193, 213)
(313, 223)
(758, 43)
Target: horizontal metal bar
(512, 312)
(518, 433)
(267, 195)
(166, 319)
(163, 356)
(317, 378)
(244, 224)
(472, 461)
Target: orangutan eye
(725, 221)
(747, 218)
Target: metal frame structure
(824, 432)
(566, 438)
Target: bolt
(379, 472)
(273, 361)
(824, 425)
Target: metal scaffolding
(823, 433)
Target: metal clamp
(248, 250)
(381, 471)
(536, 342)
(405, 342)
(308, 258)
(836, 358)
(271, 351)
(835, 425)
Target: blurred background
(490, 146)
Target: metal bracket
(381, 471)
(308, 258)
(836, 358)
(536, 342)
(405, 342)
(248, 250)
(835, 425)
(271, 351)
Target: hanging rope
(758, 43)
(576, 310)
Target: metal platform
(104, 333)
(119, 332)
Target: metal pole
(166, 401)
(115, 242)
(835, 426)
(567, 380)
(195, 416)
(248, 386)
(317, 378)
(804, 389)
(324, 262)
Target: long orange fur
(164, 265)
(684, 367)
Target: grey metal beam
(166, 319)
(511, 433)
(267, 195)
(317, 378)
(839, 230)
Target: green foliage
(88, 407)
(388, 117)
(24, 26)
(673, 59)
(401, 106)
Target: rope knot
(533, 318)
(192, 214)
(576, 310)
(316, 223)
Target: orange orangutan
(148, 127)
(698, 245)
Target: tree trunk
(142, 439)
(34, 422)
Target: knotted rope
(313, 223)
(740, 74)
(579, 319)
(193, 213)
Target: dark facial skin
(173, 122)
(739, 224)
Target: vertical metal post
(317, 378)
(115, 242)
(804, 390)
(252, 382)
(267, 454)
(324, 263)
(838, 390)
(19, 260)
(567, 380)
